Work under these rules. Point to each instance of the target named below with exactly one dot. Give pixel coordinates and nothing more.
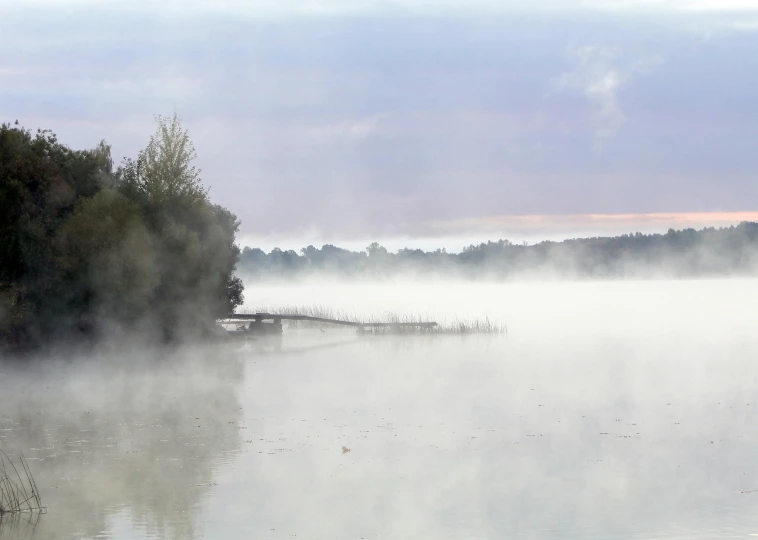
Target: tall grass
(473, 325)
(18, 493)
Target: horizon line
(533, 228)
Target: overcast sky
(348, 120)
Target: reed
(18, 493)
(460, 326)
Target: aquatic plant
(16, 494)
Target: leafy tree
(376, 250)
(40, 183)
(194, 239)
(86, 251)
(165, 173)
(108, 261)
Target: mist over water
(609, 410)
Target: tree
(376, 250)
(41, 181)
(194, 239)
(85, 250)
(109, 263)
(166, 173)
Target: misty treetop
(685, 253)
(89, 251)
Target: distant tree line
(709, 252)
(89, 251)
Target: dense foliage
(685, 253)
(87, 251)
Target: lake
(608, 410)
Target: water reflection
(106, 437)
(19, 526)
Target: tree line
(89, 250)
(708, 252)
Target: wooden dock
(271, 323)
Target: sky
(418, 123)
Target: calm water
(613, 410)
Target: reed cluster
(18, 493)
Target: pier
(271, 324)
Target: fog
(688, 253)
(609, 410)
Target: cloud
(551, 224)
(598, 77)
(721, 5)
(319, 8)
(674, 5)
(750, 25)
(353, 129)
